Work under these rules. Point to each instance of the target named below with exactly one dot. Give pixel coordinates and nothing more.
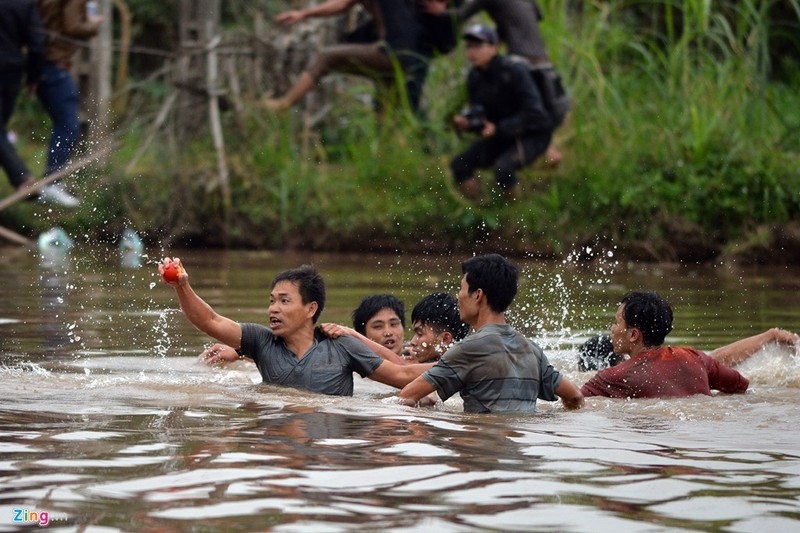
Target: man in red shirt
(642, 322)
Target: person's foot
(56, 194)
(553, 157)
(471, 189)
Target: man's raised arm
(198, 311)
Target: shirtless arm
(200, 313)
(738, 351)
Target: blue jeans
(58, 93)
(9, 159)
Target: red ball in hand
(171, 272)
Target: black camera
(476, 116)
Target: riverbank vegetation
(683, 144)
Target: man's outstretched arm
(325, 9)
(398, 376)
(734, 353)
(199, 312)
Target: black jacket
(509, 98)
(21, 26)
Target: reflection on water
(108, 421)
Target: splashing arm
(734, 353)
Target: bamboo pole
(15, 237)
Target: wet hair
(371, 305)
(496, 276)
(597, 353)
(309, 283)
(440, 311)
(649, 313)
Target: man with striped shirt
(496, 368)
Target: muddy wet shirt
(496, 369)
(666, 372)
(326, 368)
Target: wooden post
(216, 126)
(92, 71)
(102, 50)
(120, 93)
(200, 37)
(199, 25)
(258, 51)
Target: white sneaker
(56, 194)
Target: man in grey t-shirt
(291, 351)
(496, 369)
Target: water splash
(551, 300)
(775, 365)
(163, 339)
(23, 368)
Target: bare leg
(303, 84)
(362, 59)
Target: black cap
(479, 32)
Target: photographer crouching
(506, 110)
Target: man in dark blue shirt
(496, 369)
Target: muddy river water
(109, 423)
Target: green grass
(681, 144)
